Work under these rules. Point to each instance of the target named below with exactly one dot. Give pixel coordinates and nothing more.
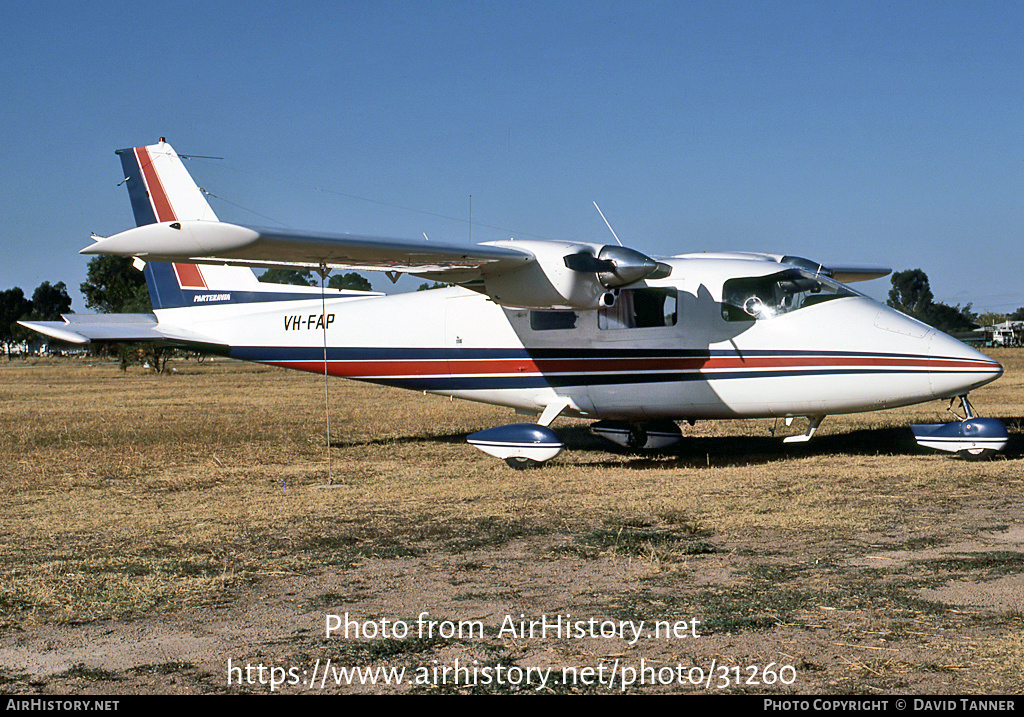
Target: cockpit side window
(765, 297)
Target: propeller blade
(588, 263)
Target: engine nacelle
(569, 275)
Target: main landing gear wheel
(976, 454)
(650, 435)
(636, 437)
(520, 445)
(520, 463)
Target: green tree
(350, 280)
(911, 293)
(288, 276)
(13, 307)
(991, 317)
(951, 319)
(50, 301)
(114, 286)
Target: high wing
(538, 274)
(205, 242)
(533, 273)
(177, 226)
(844, 274)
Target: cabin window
(765, 297)
(640, 309)
(552, 320)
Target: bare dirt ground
(182, 534)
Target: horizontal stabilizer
(100, 328)
(86, 328)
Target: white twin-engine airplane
(549, 328)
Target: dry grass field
(185, 533)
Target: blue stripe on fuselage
(166, 293)
(334, 353)
(491, 383)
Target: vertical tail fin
(162, 190)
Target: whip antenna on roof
(607, 224)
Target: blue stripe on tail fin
(164, 290)
(141, 206)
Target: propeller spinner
(618, 266)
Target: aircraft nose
(956, 368)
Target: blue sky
(882, 133)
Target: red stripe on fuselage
(526, 367)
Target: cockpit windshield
(765, 297)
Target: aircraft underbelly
(705, 395)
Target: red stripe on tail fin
(157, 194)
(189, 276)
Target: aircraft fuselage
(678, 348)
